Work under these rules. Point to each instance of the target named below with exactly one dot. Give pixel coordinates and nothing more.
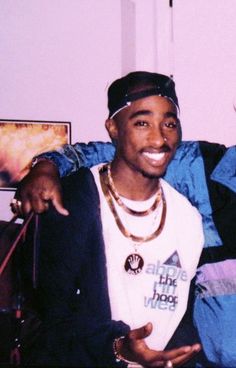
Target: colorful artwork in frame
(21, 140)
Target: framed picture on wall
(21, 140)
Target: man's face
(147, 134)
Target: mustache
(164, 148)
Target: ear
(111, 126)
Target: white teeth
(154, 156)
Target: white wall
(59, 56)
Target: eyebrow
(168, 114)
(140, 112)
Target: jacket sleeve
(215, 301)
(69, 158)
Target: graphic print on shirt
(134, 264)
(168, 275)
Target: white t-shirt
(158, 293)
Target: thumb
(57, 203)
(142, 332)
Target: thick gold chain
(107, 193)
(116, 196)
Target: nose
(156, 137)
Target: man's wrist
(44, 166)
(37, 160)
(116, 349)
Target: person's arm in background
(69, 158)
(42, 184)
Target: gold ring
(15, 205)
(169, 364)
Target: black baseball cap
(138, 85)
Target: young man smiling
(147, 134)
(128, 249)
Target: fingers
(141, 333)
(181, 359)
(175, 357)
(26, 207)
(55, 197)
(134, 348)
(184, 350)
(16, 207)
(38, 202)
(36, 192)
(40, 187)
(57, 203)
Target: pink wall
(59, 56)
(57, 59)
(196, 43)
(205, 60)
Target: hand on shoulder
(39, 187)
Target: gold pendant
(134, 264)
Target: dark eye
(170, 124)
(141, 123)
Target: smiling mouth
(155, 156)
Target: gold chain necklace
(137, 239)
(134, 263)
(116, 196)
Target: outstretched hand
(40, 187)
(134, 348)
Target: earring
(165, 139)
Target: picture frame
(21, 140)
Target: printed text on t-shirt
(165, 287)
